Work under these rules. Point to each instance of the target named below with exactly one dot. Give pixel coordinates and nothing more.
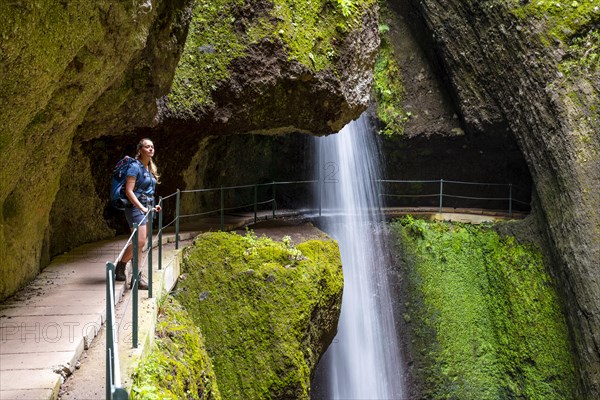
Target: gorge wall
(531, 69)
(70, 70)
(82, 82)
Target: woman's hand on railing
(157, 208)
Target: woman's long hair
(151, 166)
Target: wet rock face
(269, 91)
(68, 70)
(501, 72)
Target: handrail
(114, 390)
(113, 379)
(443, 194)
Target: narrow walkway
(45, 328)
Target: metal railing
(505, 201)
(114, 390)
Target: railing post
(134, 307)
(441, 194)
(110, 268)
(274, 201)
(160, 224)
(222, 209)
(149, 248)
(255, 200)
(510, 199)
(177, 206)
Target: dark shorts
(134, 216)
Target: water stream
(364, 360)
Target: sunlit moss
(261, 306)
(571, 24)
(388, 86)
(178, 367)
(222, 30)
(484, 315)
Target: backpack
(118, 198)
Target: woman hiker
(142, 177)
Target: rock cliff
(481, 313)
(81, 82)
(531, 68)
(71, 69)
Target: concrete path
(45, 328)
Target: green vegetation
(388, 86)
(583, 54)
(211, 45)
(483, 314)
(178, 366)
(573, 23)
(264, 308)
(563, 19)
(221, 31)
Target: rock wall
(481, 314)
(271, 66)
(81, 82)
(63, 62)
(529, 67)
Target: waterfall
(364, 360)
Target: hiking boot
(142, 283)
(120, 271)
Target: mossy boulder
(178, 366)
(482, 313)
(268, 66)
(267, 310)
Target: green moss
(562, 19)
(211, 45)
(221, 30)
(388, 86)
(311, 30)
(583, 54)
(178, 367)
(254, 300)
(570, 23)
(485, 315)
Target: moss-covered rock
(483, 315)
(76, 71)
(58, 59)
(178, 366)
(267, 66)
(526, 67)
(388, 86)
(267, 309)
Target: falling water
(364, 360)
